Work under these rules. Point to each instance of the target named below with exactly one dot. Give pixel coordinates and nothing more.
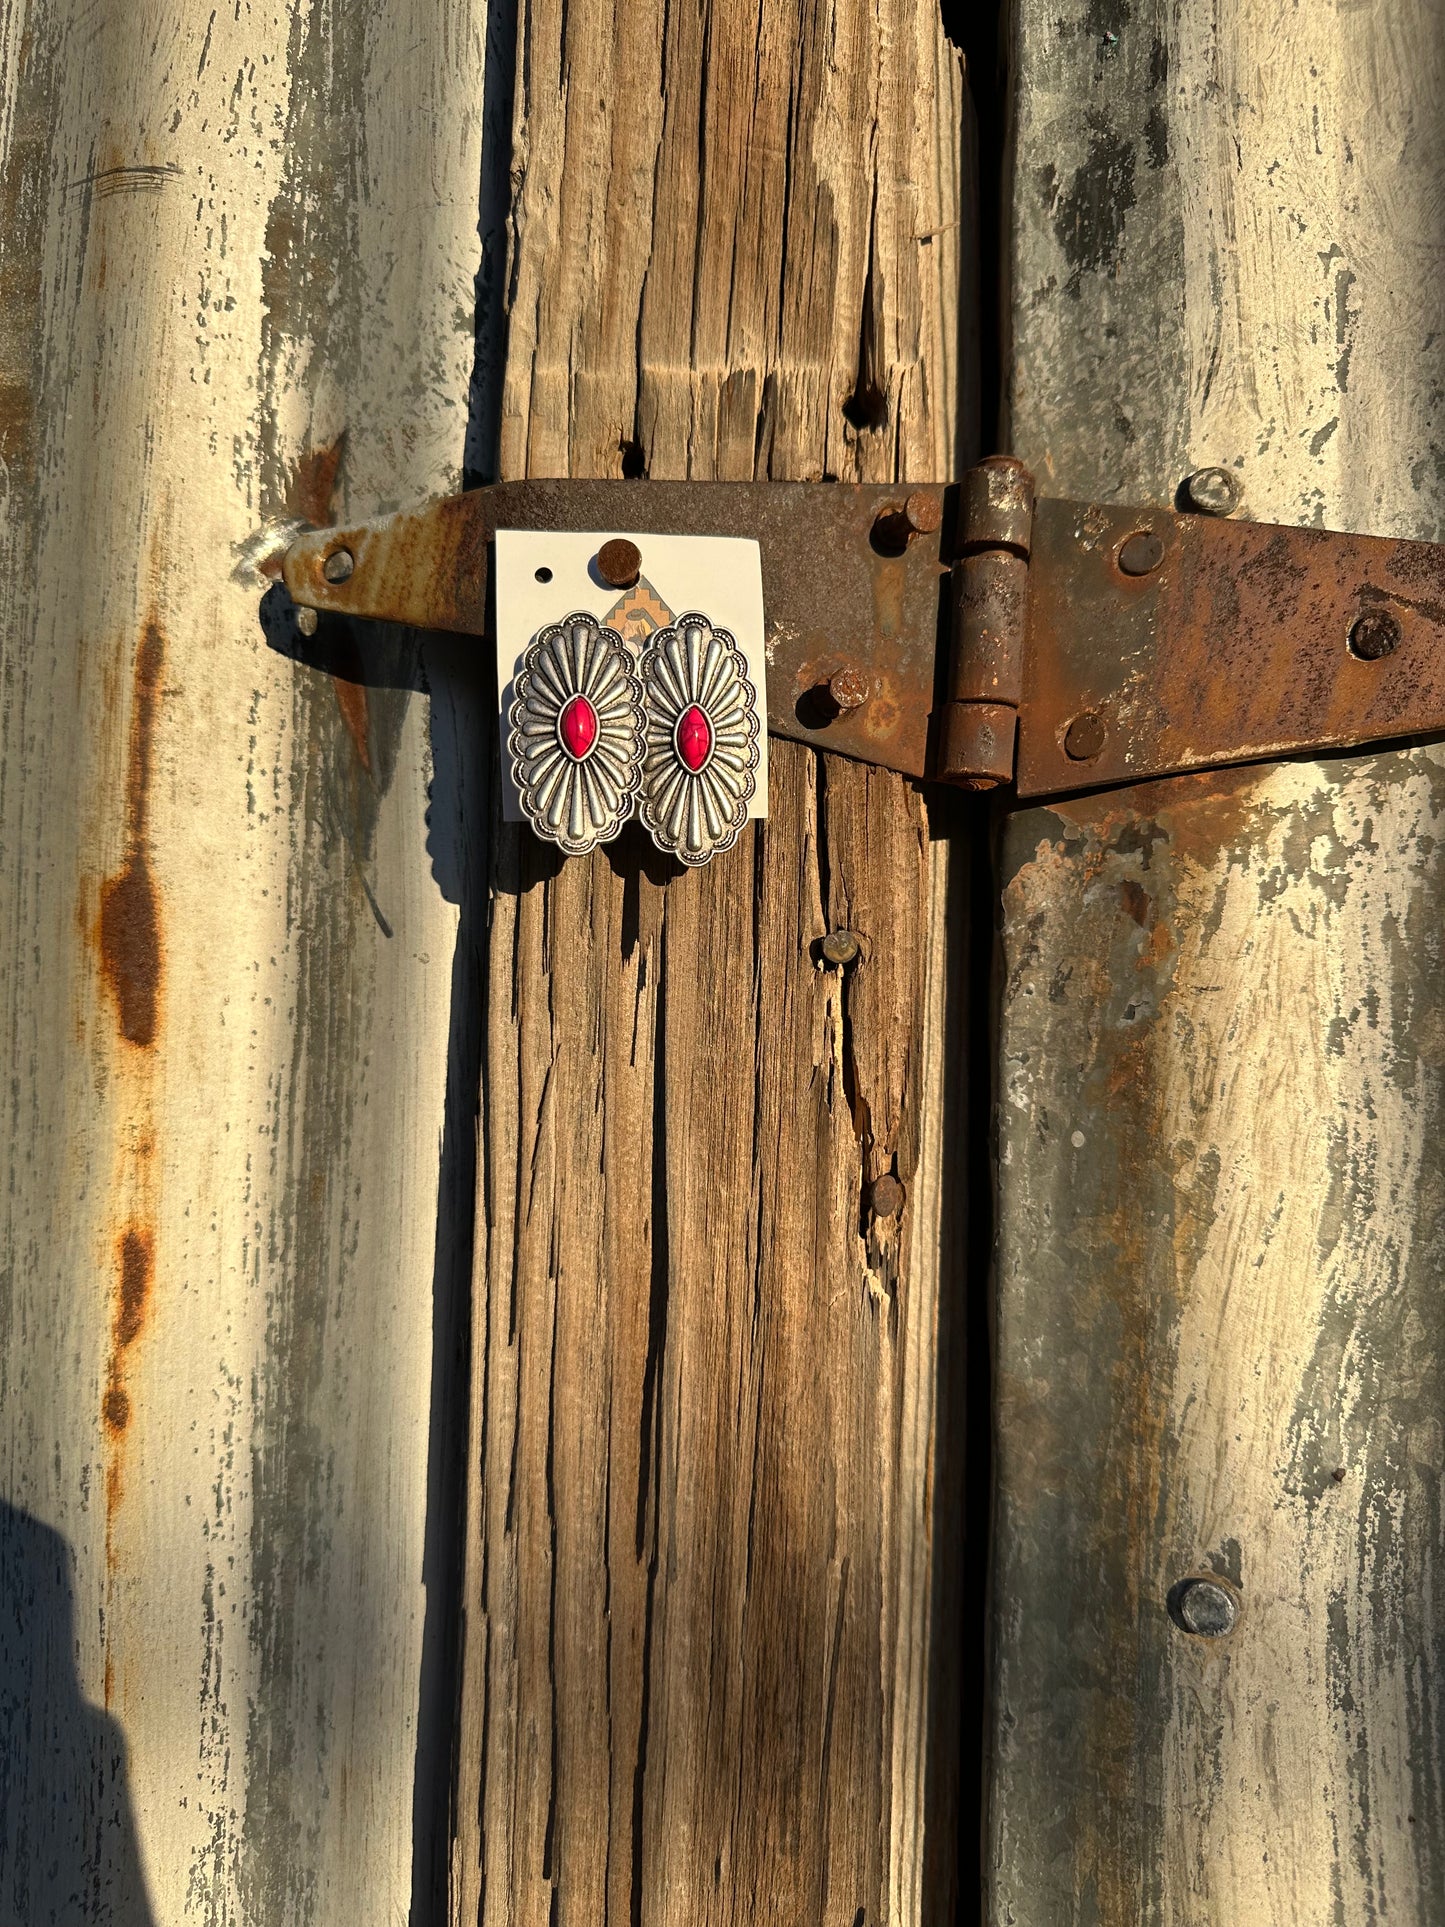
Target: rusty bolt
(1204, 1606)
(306, 620)
(338, 565)
(885, 1196)
(841, 947)
(1142, 553)
(1212, 491)
(849, 689)
(923, 512)
(619, 562)
(1375, 634)
(1085, 737)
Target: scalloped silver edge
(664, 808)
(548, 670)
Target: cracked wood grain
(1220, 1345)
(707, 1674)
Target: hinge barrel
(989, 612)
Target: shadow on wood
(69, 1852)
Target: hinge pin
(990, 621)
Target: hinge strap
(1086, 643)
(990, 612)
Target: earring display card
(542, 575)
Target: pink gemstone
(579, 727)
(694, 738)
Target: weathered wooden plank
(704, 1679)
(230, 235)
(1220, 1346)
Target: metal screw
(619, 562)
(1212, 491)
(849, 689)
(923, 512)
(1375, 634)
(1205, 1607)
(1142, 553)
(894, 529)
(1085, 737)
(841, 947)
(885, 1196)
(306, 620)
(338, 565)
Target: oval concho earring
(576, 741)
(701, 742)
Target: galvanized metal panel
(1220, 1345)
(230, 236)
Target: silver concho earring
(700, 747)
(576, 741)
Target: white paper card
(543, 575)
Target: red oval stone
(694, 738)
(579, 727)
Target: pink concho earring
(700, 748)
(576, 740)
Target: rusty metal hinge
(971, 634)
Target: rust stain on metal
(1201, 814)
(1054, 909)
(1233, 649)
(889, 584)
(135, 1252)
(312, 487)
(1135, 899)
(135, 1272)
(309, 499)
(351, 701)
(129, 936)
(885, 712)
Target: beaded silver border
(695, 814)
(576, 802)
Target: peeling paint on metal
(1262, 1089)
(224, 1097)
(129, 933)
(136, 1267)
(1256, 1308)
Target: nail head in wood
(1212, 491)
(619, 563)
(841, 947)
(885, 1199)
(1205, 1607)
